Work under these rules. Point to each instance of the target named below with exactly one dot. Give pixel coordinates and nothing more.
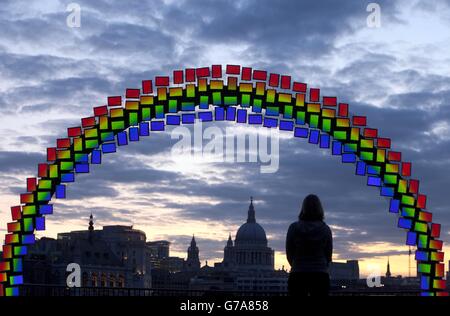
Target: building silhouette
(120, 256)
(114, 256)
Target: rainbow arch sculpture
(235, 94)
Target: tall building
(248, 263)
(114, 256)
(193, 261)
(344, 271)
(157, 251)
(250, 250)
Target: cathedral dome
(251, 233)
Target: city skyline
(182, 245)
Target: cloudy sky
(51, 75)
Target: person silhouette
(309, 248)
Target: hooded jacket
(309, 246)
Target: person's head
(311, 209)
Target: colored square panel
(132, 93)
(219, 114)
(425, 216)
(233, 70)
(285, 82)
(324, 141)
(188, 118)
(216, 71)
(157, 125)
(329, 101)
(406, 169)
(40, 223)
(190, 75)
(301, 132)
(404, 223)
(359, 120)
(270, 122)
(348, 158)
(413, 186)
(411, 238)
(147, 86)
(314, 137)
(173, 120)
(178, 76)
(162, 81)
(394, 206)
(74, 131)
(387, 191)
(337, 148)
(299, 87)
(60, 192)
(373, 181)
(115, 101)
(274, 80)
(421, 255)
(361, 168)
(343, 109)
(286, 125)
(259, 75)
(31, 184)
(46, 209)
(435, 230)
(242, 116)
(383, 143)
(394, 156)
(370, 132)
(422, 201)
(205, 116)
(255, 119)
(314, 95)
(16, 212)
(246, 74)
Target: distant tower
(91, 227)
(388, 270)
(91, 223)
(193, 261)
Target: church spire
(193, 242)
(388, 270)
(251, 212)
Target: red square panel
(246, 73)
(329, 101)
(147, 86)
(178, 76)
(233, 70)
(202, 72)
(285, 82)
(217, 71)
(190, 75)
(314, 95)
(259, 75)
(162, 81)
(133, 93)
(274, 80)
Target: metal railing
(59, 290)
